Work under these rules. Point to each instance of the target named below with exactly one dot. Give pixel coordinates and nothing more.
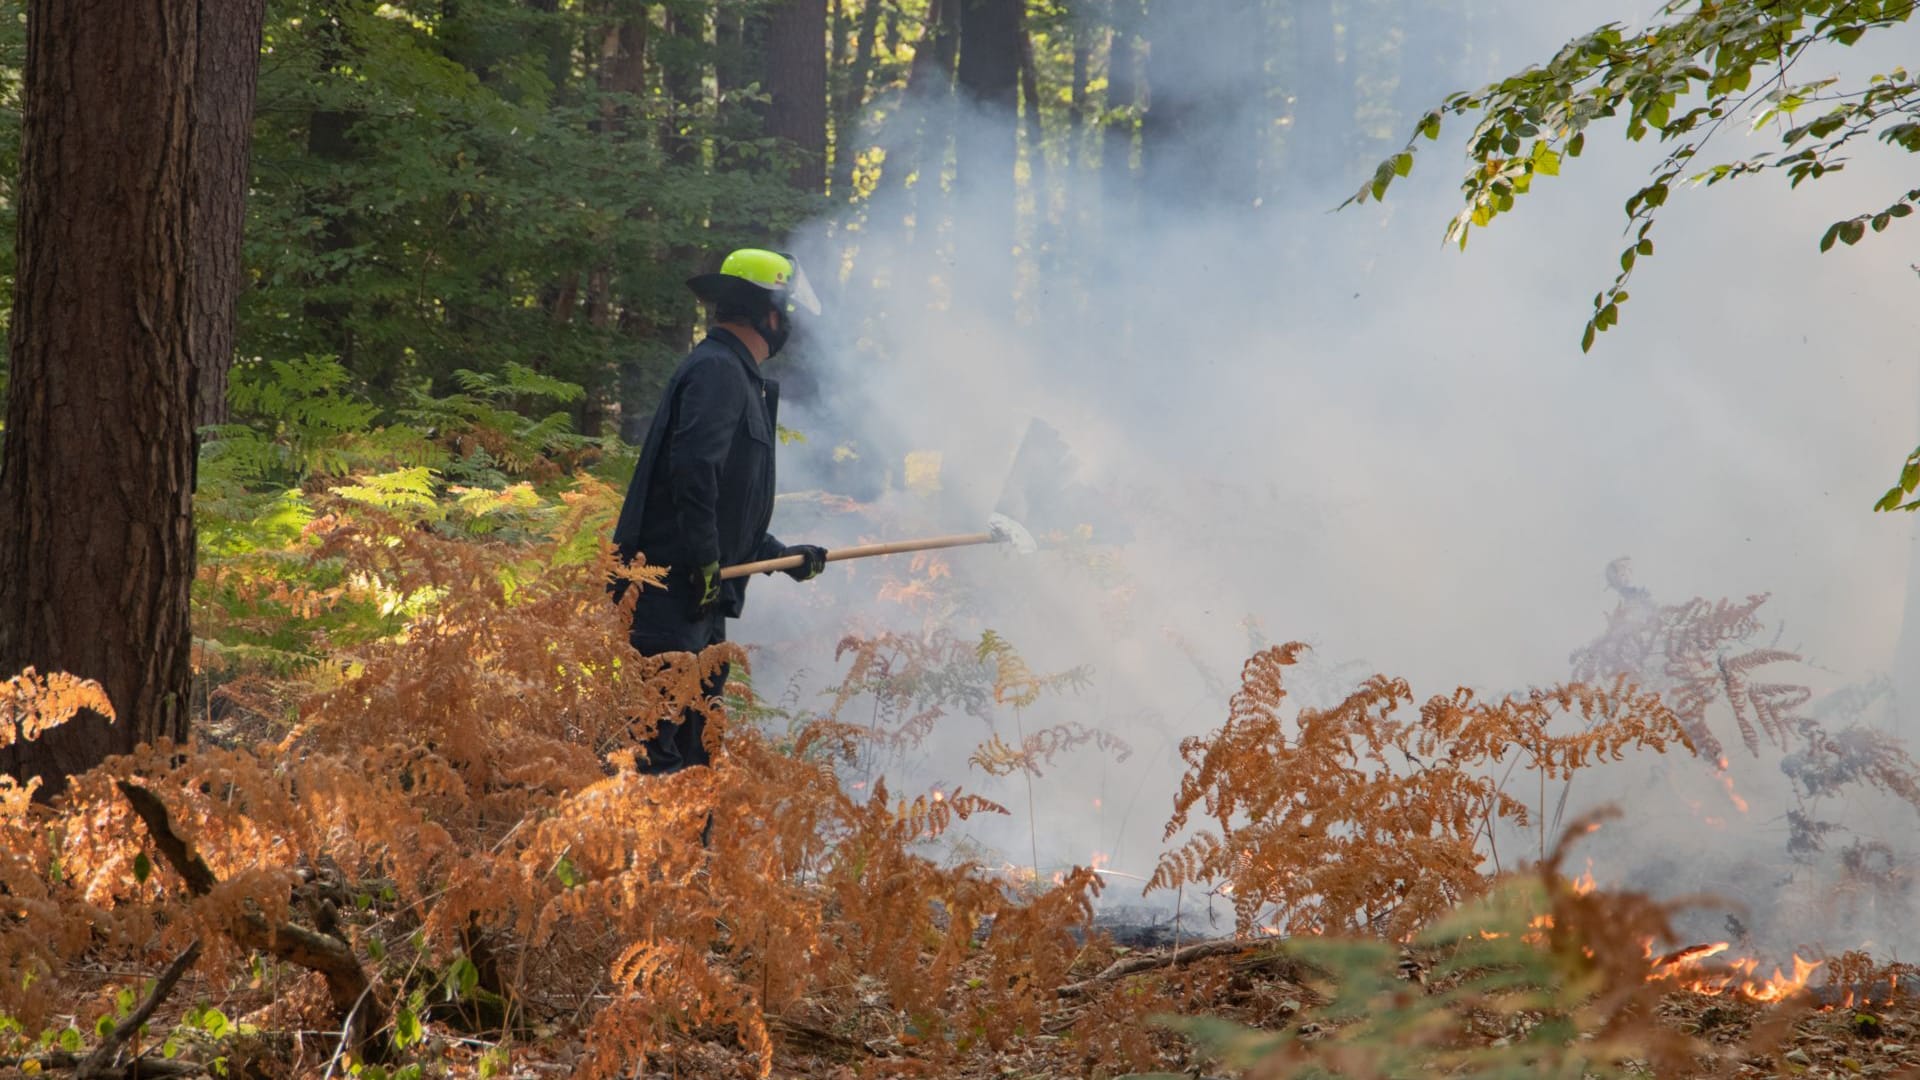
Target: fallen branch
(347, 982)
(1133, 965)
(818, 1038)
(100, 1064)
(141, 1068)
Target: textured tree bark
(96, 490)
(227, 76)
(797, 85)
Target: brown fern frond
(31, 703)
(1355, 819)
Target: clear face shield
(800, 291)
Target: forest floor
(1101, 1027)
(1263, 989)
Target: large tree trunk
(797, 84)
(96, 490)
(1200, 141)
(987, 143)
(226, 73)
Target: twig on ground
(100, 1063)
(139, 1069)
(346, 1030)
(819, 1037)
(1133, 965)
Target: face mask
(775, 339)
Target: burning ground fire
(1686, 969)
(1695, 970)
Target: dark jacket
(703, 490)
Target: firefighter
(702, 495)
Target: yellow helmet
(773, 272)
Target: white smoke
(1329, 427)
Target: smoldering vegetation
(1288, 423)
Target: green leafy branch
(1530, 121)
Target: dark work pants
(660, 625)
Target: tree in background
(486, 210)
(987, 143)
(113, 308)
(445, 188)
(796, 66)
(1202, 135)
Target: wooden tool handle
(864, 551)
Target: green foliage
(1682, 78)
(443, 190)
(308, 447)
(1896, 497)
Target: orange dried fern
(1351, 818)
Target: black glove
(815, 565)
(706, 591)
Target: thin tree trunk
(1033, 126)
(846, 124)
(1083, 36)
(916, 143)
(328, 141)
(1123, 105)
(621, 75)
(1031, 112)
(837, 23)
(227, 74)
(96, 490)
(653, 335)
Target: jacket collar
(732, 341)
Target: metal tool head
(1008, 531)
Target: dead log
(355, 1002)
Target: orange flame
(1726, 781)
(1686, 968)
(1584, 884)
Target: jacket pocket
(758, 427)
